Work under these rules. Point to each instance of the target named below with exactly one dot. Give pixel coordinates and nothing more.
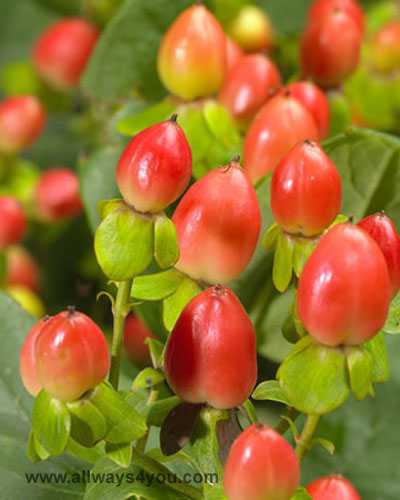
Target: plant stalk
(120, 312)
(304, 442)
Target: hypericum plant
(251, 29)
(385, 48)
(331, 488)
(319, 8)
(22, 269)
(12, 221)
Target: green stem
(120, 312)
(153, 467)
(304, 442)
(153, 396)
(284, 425)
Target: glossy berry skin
(352, 8)
(211, 353)
(261, 466)
(306, 191)
(61, 52)
(191, 59)
(12, 221)
(218, 234)
(57, 195)
(22, 269)
(136, 332)
(71, 355)
(248, 86)
(315, 101)
(332, 488)
(280, 124)
(343, 295)
(233, 53)
(155, 167)
(22, 120)
(385, 48)
(27, 361)
(251, 29)
(330, 48)
(383, 231)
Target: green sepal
(270, 390)
(34, 450)
(314, 377)
(124, 244)
(392, 324)
(282, 268)
(124, 423)
(380, 361)
(340, 113)
(160, 409)
(91, 455)
(249, 410)
(147, 378)
(289, 330)
(220, 124)
(359, 362)
(271, 236)
(120, 453)
(166, 249)
(154, 114)
(156, 349)
(303, 248)
(106, 207)
(200, 139)
(157, 286)
(328, 445)
(51, 423)
(175, 303)
(88, 426)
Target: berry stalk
(304, 442)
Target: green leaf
(88, 426)
(220, 124)
(271, 391)
(156, 349)
(328, 445)
(124, 59)
(51, 423)
(160, 409)
(124, 244)
(97, 181)
(153, 114)
(175, 303)
(204, 442)
(147, 378)
(90, 455)
(392, 324)
(193, 123)
(314, 378)
(359, 362)
(271, 236)
(66, 7)
(282, 270)
(35, 450)
(131, 482)
(380, 363)
(157, 286)
(249, 410)
(301, 494)
(166, 249)
(124, 423)
(120, 453)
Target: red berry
(315, 101)
(385, 47)
(252, 29)
(155, 167)
(27, 361)
(211, 353)
(22, 269)
(330, 48)
(192, 56)
(382, 230)
(21, 121)
(261, 466)
(218, 223)
(332, 487)
(352, 8)
(306, 191)
(61, 52)
(57, 195)
(343, 295)
(71, 355)
(136, 332)
(280, 124)
(233, 53)
(12, 221)
(248, 86)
